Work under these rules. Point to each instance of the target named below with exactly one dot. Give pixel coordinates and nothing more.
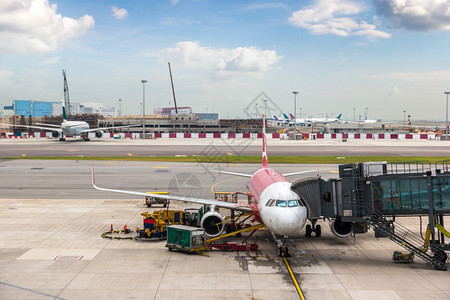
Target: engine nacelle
(213, 223)
(98, 134)
(341, 229)
(56, 134)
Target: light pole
(354, 114)
(404, 119)
(295, 103)
(120, 107)
(446, 116)
(143, 107)
(265, 107)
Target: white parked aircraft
(309, 121)
(275, 204)
(70, 128)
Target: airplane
(310, 121)
(366, 121)
(279, 121)
(70, 128)
(275, 204)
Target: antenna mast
(66, 93)
(173, 90)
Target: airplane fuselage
(74, 128)
(279, 207)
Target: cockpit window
(281, 203)
(292, 203)
(270, 202)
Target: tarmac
(51, 244)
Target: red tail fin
(292, 116)
(264, 140)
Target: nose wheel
(282, 246)
(313, 228)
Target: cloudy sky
(384, 55)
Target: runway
(50, 244)
(220, 147)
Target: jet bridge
(373, 194)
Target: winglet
(264, 140)
(93, 177)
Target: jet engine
(341, 229)
(56, 134)
(98, 134)
(213, 223)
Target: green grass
(253, 159)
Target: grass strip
(254, 159)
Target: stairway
(405, 238)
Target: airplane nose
(290, 222)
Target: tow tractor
(150, 200)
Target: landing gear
(313, 228)
(281, 244)
(283, 250)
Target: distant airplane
(366, 121)
(70, 128)
(275, 204)
(280, 122)
(310, 121)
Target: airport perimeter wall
(306, 136)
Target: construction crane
(66, 94)
(173, 89)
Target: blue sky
(384, 55)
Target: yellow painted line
(220, 182)
(229, 153)
(72, 150)
(334, 172)
(24, 154)
(233, 165)
(297, 286)
(160, 167)
(129, 154)
(110, 162)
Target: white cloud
(119, 13)
(243, 59)
(34, 26)
(394, 91)
(418, 15)
(269, 5)
(50, 61)
(338, 17)
(174, 2)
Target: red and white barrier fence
(308, 136)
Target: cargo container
(185, 238)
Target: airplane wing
(220, 204)
(233, 173)
(297, 173)
(49, 125)
(108, 128)
(35, 127)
